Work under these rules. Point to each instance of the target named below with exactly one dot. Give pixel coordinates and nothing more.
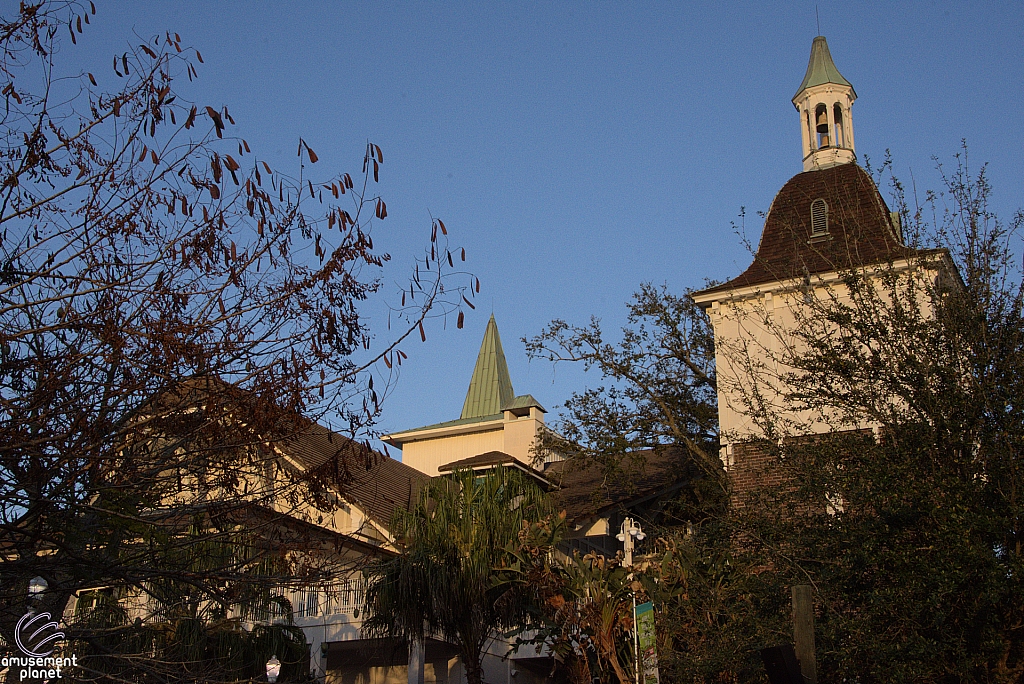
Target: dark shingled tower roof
(860, 229)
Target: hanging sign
(648, 647)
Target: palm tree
(448, 579)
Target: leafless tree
(173, 314)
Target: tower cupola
(824, 101)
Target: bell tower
(824, 100)
(827, 222)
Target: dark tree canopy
(911, 531)
(659, 392)
(908, 529)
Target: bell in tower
(821, 125)
(824, 100)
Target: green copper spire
(491, 387)
(821, 69)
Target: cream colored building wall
(512, 435)
(754, 342)
(430, 454)
(433, 673)
(440, 672)
(520, 434)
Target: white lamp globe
(273, 669)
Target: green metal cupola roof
(821, 69)
(490, 388)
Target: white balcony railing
(343, 597)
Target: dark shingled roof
(480, 460)
(385, 486)
(378, 484)
(585, 493)
(496, 458)
(860, 229)
(374, 482)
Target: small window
(819, 218)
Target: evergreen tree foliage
(457, 545)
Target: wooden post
(803, 630)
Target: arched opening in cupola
(821, 126)
(837, 116)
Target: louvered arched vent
(819, 218)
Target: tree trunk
(474, 667)
(607, 641)
(619, 672)
(416, 646)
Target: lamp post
(629, 534)
(273, 669)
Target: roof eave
(442, 430)
(706, 298)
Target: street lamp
(273, 669)
(629, 534)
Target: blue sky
(579, 149)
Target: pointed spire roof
(491, 386)
(821, 69)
